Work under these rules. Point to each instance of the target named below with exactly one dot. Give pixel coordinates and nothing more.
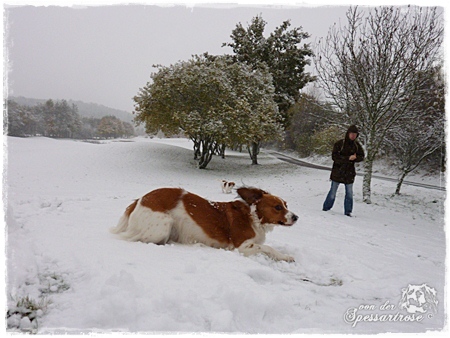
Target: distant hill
(84, 109)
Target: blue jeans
(348, 201)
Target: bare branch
(370, 68)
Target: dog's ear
(250, 195)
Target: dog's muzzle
(291, 219)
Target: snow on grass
(62, 196)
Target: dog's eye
(278, 207)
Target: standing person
(345, 153)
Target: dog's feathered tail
(123, 221)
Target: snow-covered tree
(369, 69)
(110, 127)
(414, 142)
(420, 132)
(53, 119)
(258, 115)
(59, 119)
(212, 100)
(282, 55)
(22, 120)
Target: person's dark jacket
(343, 169)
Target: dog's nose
(294, 218)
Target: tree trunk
(222, 148)
(400, 182)
(206, 153)
(204, 160)
(367, 180)
(197, 144)
(371, 153)
(253, 150)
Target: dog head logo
(419, 299)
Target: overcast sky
(104, 54)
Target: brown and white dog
(175, 215)
(227, 187)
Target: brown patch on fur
(240, 222)
(130, 208)
(210, 216)
(227, 222)
(163, 199)
(272, 210)
(251, 195)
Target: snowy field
(63, 196)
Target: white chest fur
(259, 228)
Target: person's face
(352, 136)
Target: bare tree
(369, 68)
(414, 142)
(421, 132)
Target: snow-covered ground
(62, 196)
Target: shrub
(324, 139)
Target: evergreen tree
(22, 120)
(281, 53)
(59, 119)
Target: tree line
(382, 70)
(58, 119)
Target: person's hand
(353, 157)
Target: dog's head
(269, 208)
(228, 184)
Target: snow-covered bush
(23, 313)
